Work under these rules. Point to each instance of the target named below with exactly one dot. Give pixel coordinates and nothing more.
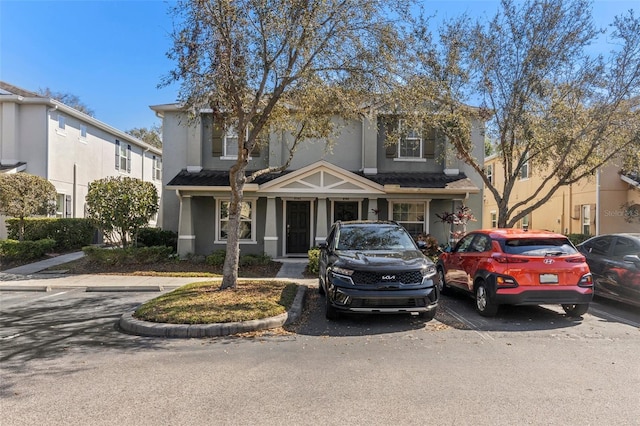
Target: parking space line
(471, 325)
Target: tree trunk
(230, 268)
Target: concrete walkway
(31, 278)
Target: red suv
(517, 267)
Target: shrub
(129, 255)
(25, 250)
(68, 233)
(149, 237)
(314, 260)
(578, 238)
(216, 258)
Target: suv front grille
(371, 278)
(388, 303)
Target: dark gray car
(375, 267)
(614, 261)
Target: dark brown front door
(298, 229)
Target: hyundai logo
(548, 261)
(388, 278)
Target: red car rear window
(538, 246)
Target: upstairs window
(61, 122)
(83, 131)
(123, 157)
(524, 171)
(410, 144)
(489, 172)
(157, 168)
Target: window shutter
(117, 154)
(391, 148)
(67, 205)
(128, 158)
(577, 212)
(429, 142)
(217, 133)
(593, 213)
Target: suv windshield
(374, 238)
(538, 246)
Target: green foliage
(314, 260)
(23, 195)
(578, 238)
(69, 233)
(157, 237)
(217, 259)
(120, 206)
(152, 135)
(128, 255)
(25, 250)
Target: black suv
(375, 267)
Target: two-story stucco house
(285, 214)
(44, 137)
(606, 203)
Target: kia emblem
(548, 261)
(388, 277)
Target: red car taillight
(586, 281)
(577, 259)
(501, 258)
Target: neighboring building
(44, 137)
(285, 214)
(603, 204)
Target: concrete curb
(117, 288)
(151, 329)
(25, 288)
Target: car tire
(576, 310)
(443, 288)
(330, 312)
(320, 287)
(484, 305)
(427, 315)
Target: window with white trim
(489, 172)
(586, 219)
(83, 131)
(60, 205)
(411, 215)
(247, 220)
(157, 168)
(61, 122)
(410, 144)
(123, 157)
(524, 170)
(494, 219)
(230, 141)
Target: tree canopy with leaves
(23, 195)
(152, 135)
(264, 65)
(68, 99)
(120, 206)
(549, 104)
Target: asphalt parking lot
(62, 353)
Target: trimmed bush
(68, 233)
(216, 258)
(129, 255)
(314, 260)
(578, 238)
(25, 250)
(149, 237)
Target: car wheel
(484, 305)
(428, 315)
(576, 310)
(330, 312)
(320, 287)
(443, 288)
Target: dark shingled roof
(404, 180)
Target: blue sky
(112, 53)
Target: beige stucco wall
(562, 212)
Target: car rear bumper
(544, 294)
(386, 301)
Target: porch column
(186, 237)
(270, 229)
(322, 228)
(373, 208)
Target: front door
(298, 227)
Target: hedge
(25, 250)
(68, 233)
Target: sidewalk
(31, 278)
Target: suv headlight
(429, 270)
(341, 271)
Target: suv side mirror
(322, 245)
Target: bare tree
(550, 105)
(278, 65)
(68, 99)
